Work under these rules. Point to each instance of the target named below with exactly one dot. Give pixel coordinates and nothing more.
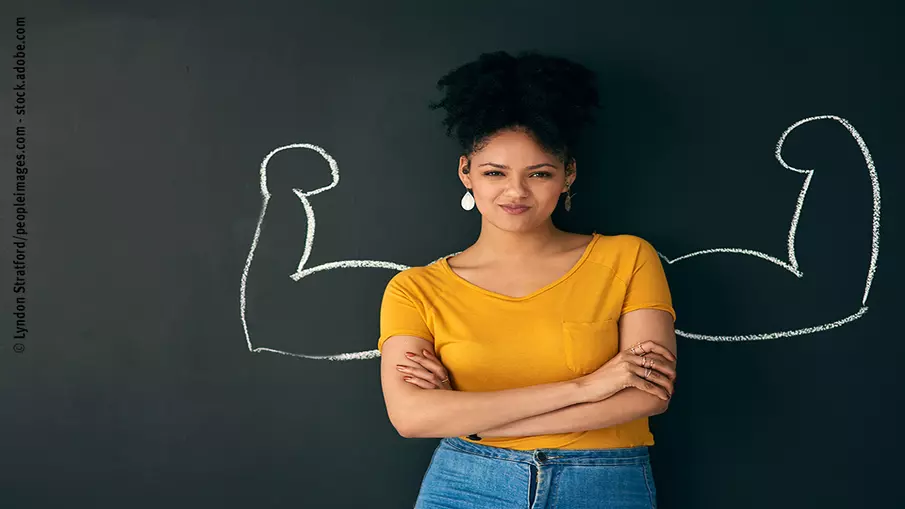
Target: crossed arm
(624, 406)
(535, 410)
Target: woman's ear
(464, 171)
(571, 173)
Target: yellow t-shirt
(488, 341)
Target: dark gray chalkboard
(154, 374)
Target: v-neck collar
(584, 256)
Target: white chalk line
(791, 265)
(309, 243)
(777, 335)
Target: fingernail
(400, 368)
(406, 378)
(409, 354)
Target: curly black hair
(550, 98)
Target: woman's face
(513, 169)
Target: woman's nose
(518, 188)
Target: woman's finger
(651, 381)
(639, 382)
(421, 373)
(649, 346)
(432, 365)
(655, 361)
(414, 380)
(438, 368)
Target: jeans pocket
(588, 345)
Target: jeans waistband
(619, 456)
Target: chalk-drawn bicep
(396, 391)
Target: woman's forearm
(438, 414)
(624, 406)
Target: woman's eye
(543, 174)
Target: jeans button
(541, 456)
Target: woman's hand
(648, 366)
(428, 372)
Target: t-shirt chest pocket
(588, 345)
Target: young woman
(536, 355)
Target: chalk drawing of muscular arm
(791, 264)
(301, 271)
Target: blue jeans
(466, 475)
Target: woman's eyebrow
(532, 167)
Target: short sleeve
(400, 314)
(647, 287)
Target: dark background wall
(154, 374)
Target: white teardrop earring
(468, 200)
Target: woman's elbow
(408, 421)
(404, 427)
(660, 406)
(408, 432)
(404, 433)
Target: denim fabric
(463, 475)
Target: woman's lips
(514, 210)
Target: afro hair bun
(551, 98)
